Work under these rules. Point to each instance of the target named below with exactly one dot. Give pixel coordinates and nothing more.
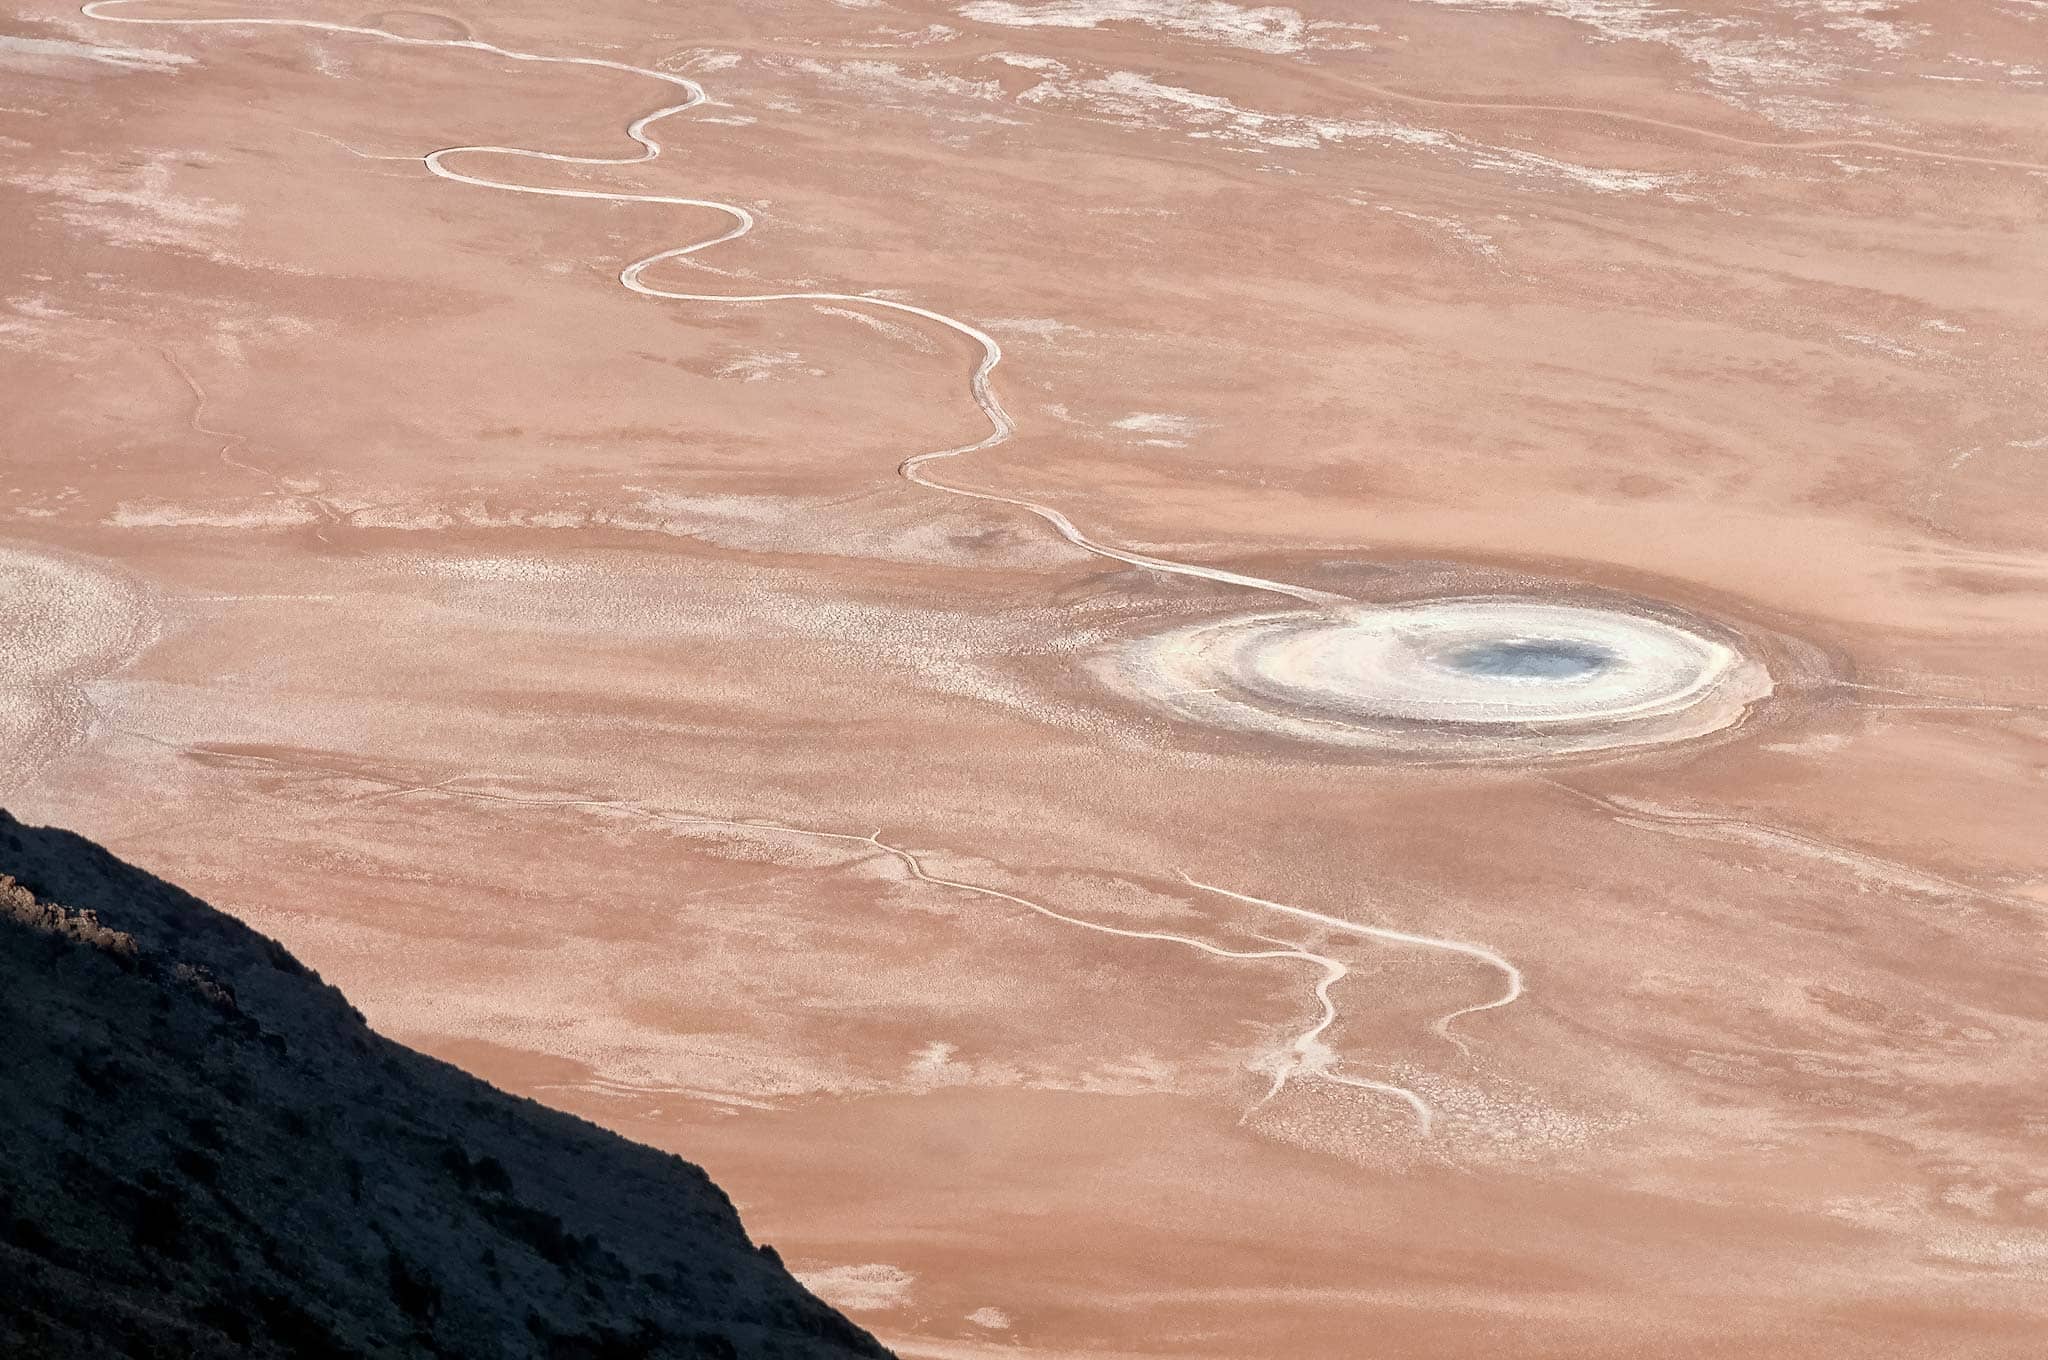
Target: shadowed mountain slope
(208, 1153)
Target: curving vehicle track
(1002, 427)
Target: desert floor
(570, 674)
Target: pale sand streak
(1001, 426)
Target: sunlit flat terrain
(1448, 759)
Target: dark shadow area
(208, 1153)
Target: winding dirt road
(1001, 426)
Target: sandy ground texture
(1449, 762)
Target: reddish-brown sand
(377, 566)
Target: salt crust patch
(699, 60)
(520, 570)
(765, 365)
(30, 54)
(863, 1289)
(894, 330)
(1263, 28)
(136, 206)
(921, 37)
(1132, 99)
(1138, 100)
(1478, 242)
(937, 1066)
(1159, 422)
(1986, 1245)
(1038, 327)
(1739, 59)
(740, 522)
(60, 616)
(167, 515)
(66, 624)
(873, 77)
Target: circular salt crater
(1493, 677)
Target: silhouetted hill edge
(205, 1152)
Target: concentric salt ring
(1466, 678)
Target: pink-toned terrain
(1086, 897)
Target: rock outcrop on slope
(204, 1151)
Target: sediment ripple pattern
(1470, 678)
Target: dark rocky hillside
(205, 1152)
